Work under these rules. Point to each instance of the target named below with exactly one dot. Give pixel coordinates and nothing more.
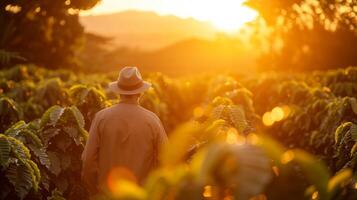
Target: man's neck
(129, 100)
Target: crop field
(268, 136)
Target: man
(125, 136)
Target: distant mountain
(190, 56)
(146, 30)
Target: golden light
(287, 157)
(286, 110)
(13, 8)
(233, 137)
(207, 191)
(267, 119)
(253, 139)
(315, 195)
(225, 15)
(198, 112)
(116, 177)
(275, 170)
(277, 114)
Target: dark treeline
(305, 35)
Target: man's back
(125, 135)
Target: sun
(230, 22)
(225, 15)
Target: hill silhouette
(146, 30)
(189, 56)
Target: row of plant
(220, 153)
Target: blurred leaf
(338, 179)
(315, 171)
(181, 139)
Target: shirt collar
(129, 101)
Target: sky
(227, 15)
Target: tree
(47, 33)
(308, 34)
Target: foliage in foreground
(220, 153)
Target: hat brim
(113, 86)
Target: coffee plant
(267, 136)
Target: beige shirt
(125, 135)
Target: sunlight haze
(226, 15)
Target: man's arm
(90, 158)
(160, 140)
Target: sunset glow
(226, 15)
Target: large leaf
(353, 103)
(4, 150)
(79, 93)
(245, 169)
(20, 176)
(48, 134)
(337, 180)
(19, 149)
(315, 171)
(55, 167)
(41, 155)
(15, 129)
(353, 132)
(78, 116)
(341, 131)
(74, 133)
(237, 116)
(52, 115)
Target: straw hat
(129, 82)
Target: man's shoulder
(105, 111)
(149, 113)
(139, 110)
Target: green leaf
(19, 149)
(21, 178)
(56, 195)
(340, 131)
(353, 150)
(217, 111)
(62, 184)
(48, 134)
(353, 103)
(78, 92)
(52, 115)
(78, 115)
(244, 169)
(237, 116)
(337, 180)
(316, 172)
(15, 129)
(55, 163)
(56, 114)
(65, 161)
(353, 132)
(4, 150)
(41, 155)
(73, 132)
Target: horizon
(228, 16)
